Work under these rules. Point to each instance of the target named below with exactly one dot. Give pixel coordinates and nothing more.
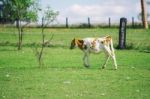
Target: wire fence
(89, 22)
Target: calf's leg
(86, 60)
(107, 58)
(111, 54)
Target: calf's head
(77, 42)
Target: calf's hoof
(87, 66)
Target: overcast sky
(98, 10)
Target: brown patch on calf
(80, 43)
(93, 43)
(107, 40)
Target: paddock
(63, 72)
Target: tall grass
(136, 38)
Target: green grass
(64, 76)
(136, 38)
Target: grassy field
(64, 76)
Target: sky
(99, 11)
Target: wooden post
(122, 33)
(67, 22)
(89, 24)
(109, 22)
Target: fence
(105, 23)
(90, 23)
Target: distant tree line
(6, 11)
(27, 10)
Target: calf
(95, 45)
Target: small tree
(22, 11)
(49, 16)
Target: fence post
(122, 33)
(67, 22)
(109, 22)
(89, 24)
(133, 24)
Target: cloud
(86, 10)
(103, 10)
(97, 12)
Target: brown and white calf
(95, 45)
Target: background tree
(48, 17)
(6, 11)
(140, 16)
(144, 14)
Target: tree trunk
(19, 34)
(43, 41)
(144, 14)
